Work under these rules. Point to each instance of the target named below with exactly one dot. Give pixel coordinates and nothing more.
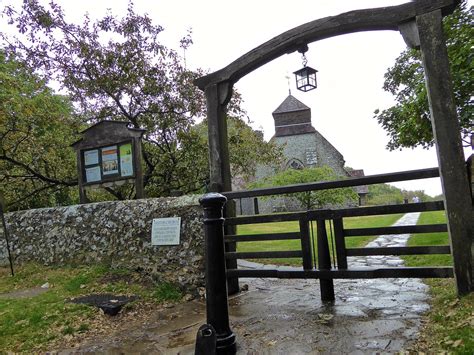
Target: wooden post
(218, 96)
(82, 192)
(458, 202)
(217, 307)
(255, 206)
(137, 153)
(324, 261)
(340, 243)
(5, 233)
(306, 245)
(470, 173)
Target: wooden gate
(317, 262)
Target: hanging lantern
(306, 77)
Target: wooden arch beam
(384, 18)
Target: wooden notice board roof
(106, 132)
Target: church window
(311, 157)
(295, 164)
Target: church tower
(303, 145)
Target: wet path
(287, 316)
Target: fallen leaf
(457, 343)
(325, 316)
(454, 303)
(450, 313)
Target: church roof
(291, 104)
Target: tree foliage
(312, 199)
(385, 194)
(247, 147)
(37, 168)
(408, 121)
(117, 69)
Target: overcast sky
(350, 77)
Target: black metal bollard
(217, 307)
(205, 340)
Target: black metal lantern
(306, 77)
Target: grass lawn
(34, 324)
(293, 226)
(423, 239)
(449, 325)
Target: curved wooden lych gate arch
(420, 23)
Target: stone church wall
(312, 150)
(301, 146)
(117, 233)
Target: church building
(303, 146)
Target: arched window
(294, 164)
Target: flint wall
(117, 233)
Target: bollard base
(226, 345)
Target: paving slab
(288, 317)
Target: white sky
(350, 77)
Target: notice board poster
(126, 160)
(93, 174)
(91, 162)
(91, 157)
(110, 163)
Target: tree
(37, 168)
(117, 69)
(408, 121)
(247, 148)
(311, 199)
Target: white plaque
(166, 231)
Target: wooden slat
(306, 245)
(265, 218)
(265, 254)
(430, 228)
(366, 273)
(261, 237)
(438, 249)
(338, 213)
(340, 241)
(324, 185)
(377, 210)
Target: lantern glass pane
(306, 79)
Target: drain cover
(110, 304)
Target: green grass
(30, 324)
(293, 226)
(449, 326)
(429, 239)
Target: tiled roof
(291, 104)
